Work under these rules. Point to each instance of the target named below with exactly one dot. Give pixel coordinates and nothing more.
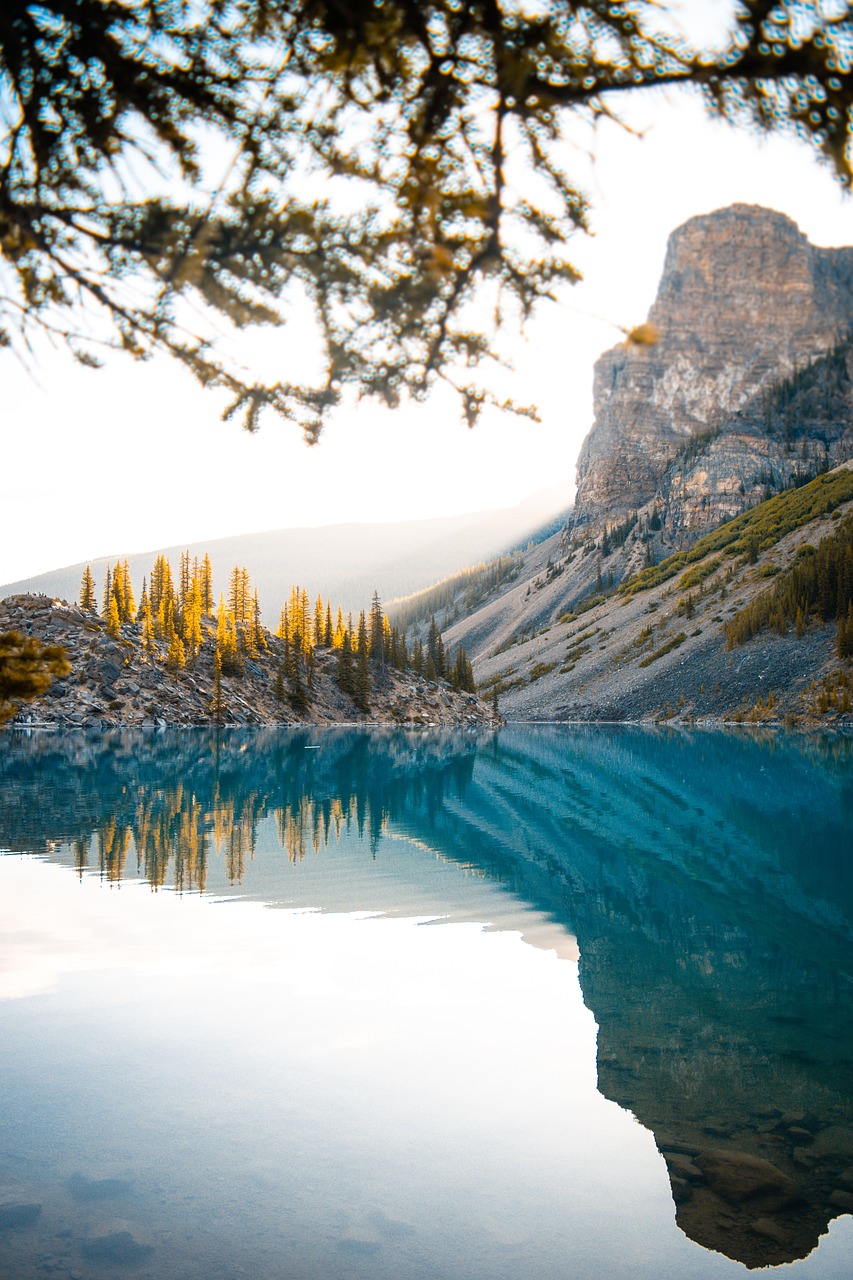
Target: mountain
(344, 562)
(739, 394)
(719, 406)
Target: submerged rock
(15, 1216)
(116, 1248)
(93, 1189)
(736, 1176)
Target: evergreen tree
(129, 598)
(164, 623)
(162, 587)
(462, 674)
(260, 639)
(88, 600)
(122, 590)
(462, 78)
(441, 659)
(294, 659)
(305, 628)
(432, 644)
(192, 632)
(340, 630)
(399, 658)
(216, 704)
(240, 596)
(345, 673)
(176, 657)
(184, 582)
(117, 590)
(108, 591)
(113, 619)
(361, 692)
(328, 634)
(206, 585)
(249, 638)
(148, 631)
(377, 633)
(226, 641)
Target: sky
(134, 457)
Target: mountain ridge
(346, 561)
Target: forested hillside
(176, 655)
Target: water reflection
(708, 881)
(166, 801)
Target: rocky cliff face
(703, 421)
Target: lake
(550, 1002)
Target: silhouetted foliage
(27, 669)
(435, 140)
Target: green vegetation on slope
(818, 586)
(665, 649)
(754, 531)
(474, 584)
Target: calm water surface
(551, 1003)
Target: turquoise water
(551, 1002)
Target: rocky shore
(114, 682)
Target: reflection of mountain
(708, 881)
(710, 888)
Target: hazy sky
(134, 457)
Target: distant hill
(345, 562)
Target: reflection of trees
(167, 801)
(314, 823)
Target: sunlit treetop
(170, 164)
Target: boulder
(736, 1177)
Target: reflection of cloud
(326, 988)
(54, 925)
(44, 940)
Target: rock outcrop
(115, 682)
(701, 421)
